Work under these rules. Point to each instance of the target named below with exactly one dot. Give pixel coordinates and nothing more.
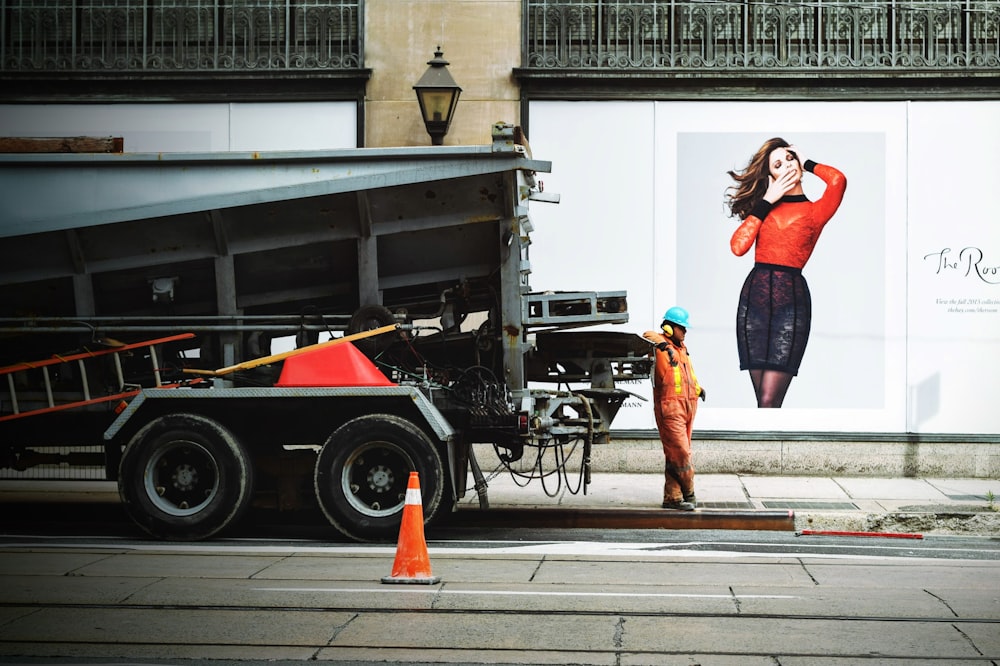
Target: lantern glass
(436, 103)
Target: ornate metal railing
(878, 36)
(180, 35)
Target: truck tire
(362, 473)
(368, 318)
(184, 477)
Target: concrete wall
(481, 40)
(777, 457)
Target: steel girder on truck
(141, 298)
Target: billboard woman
(775, 309)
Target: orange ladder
(11, 370)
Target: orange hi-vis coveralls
(675, 398)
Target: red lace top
(786, 232)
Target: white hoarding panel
(599, 238)
(294, 126)
(187, 128)
(953, 251)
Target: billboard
(904, 278)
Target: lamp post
(437, 94)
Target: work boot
(679, 505)
(691, 498)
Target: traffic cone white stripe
(413, 496)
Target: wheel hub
(185, 477)
(181, 478)
(380, 478)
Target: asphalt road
(506, 596)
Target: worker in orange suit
(675, 397)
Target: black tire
(184, 477)
(362, 472)
(368, 318)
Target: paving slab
(371, 595)
(964, 602)
(827, 601)
(652, 597)
(718, 488)
(793, 487)
(35, 589)
(984, 637)
(964, 489)
(97, 652)
(154, 565)
(55, 563)
(814, 660)
(661, 659)
(328, 568)
(617, 491)
(938, 573)
(898, 489)
(818, 637)
(385, 655)
(670, 572)
(503, 631)
(164, 625)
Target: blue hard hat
(676, 315)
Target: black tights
(770, 386)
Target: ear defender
(668, 329)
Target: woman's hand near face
(779, 187)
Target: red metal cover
(334, 365)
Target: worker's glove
(662, 346)
(702, 395)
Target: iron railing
(98, 36)
(819, 36)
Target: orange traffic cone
(412, 564)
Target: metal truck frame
(414, 261)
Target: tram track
(518, 612)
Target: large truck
(142, 298)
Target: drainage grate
(725, 505)
(833, 506)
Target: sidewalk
(848, 504)
(839, 504)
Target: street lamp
(437, 94)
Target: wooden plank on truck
(274, 358)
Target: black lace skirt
(773, 319)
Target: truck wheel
(362, 472)
(368, 318)
(184, 477)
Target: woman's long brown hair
(751, 182)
